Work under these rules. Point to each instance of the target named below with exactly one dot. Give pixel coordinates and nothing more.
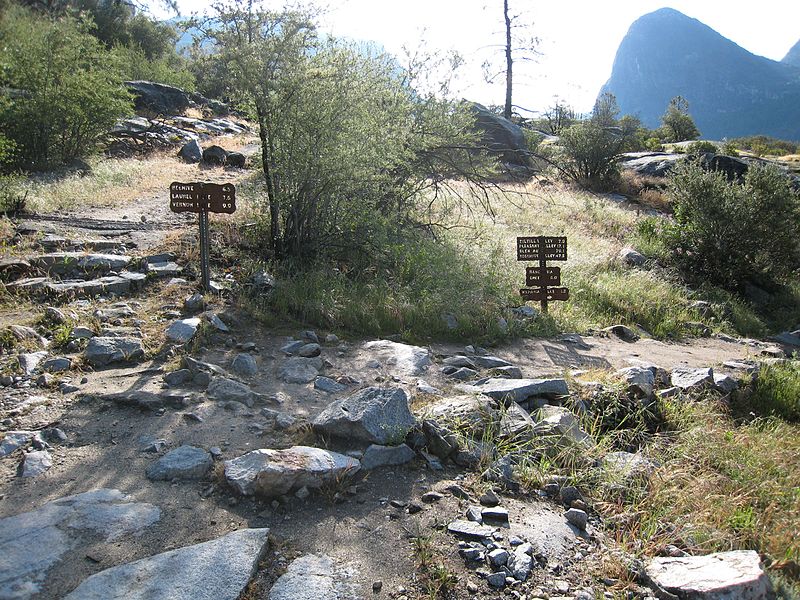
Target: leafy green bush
(67, 88)
(764, 144)
(730, 234)
(590, 154)
(701, 147)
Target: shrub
(701, 147)
(590, 154)
(728, 233)
(67, 88)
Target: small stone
(244, 365)
(470, 530)
(328, 385)
(495, 514)
(194, 303)
(431, 497)
(377, 586)
(44, 380)
(569, 494)
(36, 463)
(497, 580)
(55, 315)
(472, 587)
(218, 324)
(577, 517)
(183, 330)
(331, 338)
(310, 336)
(498, 557)
(489, 498)
(186, 462)
(302, 493)
(176, 378)
(413, 508)
(309, 350)
(474, 514)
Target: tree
(559, 116)
(606, 110)
(346, 143)
(68, 88)
(676, 123)
(518, 46)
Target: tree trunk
(266, 165)
(509, 61)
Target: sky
(577, 38)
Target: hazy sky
(578, 38)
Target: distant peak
(793, 56)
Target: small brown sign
(198, 197)
(542, 247)
(535, 277)
(544, 294)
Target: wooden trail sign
(203, 198)
(542, 281)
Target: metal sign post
(542, 280)
(203, 198)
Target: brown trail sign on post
(542, 281)
(203, 198)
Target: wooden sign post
(203, 198)
(542, 281)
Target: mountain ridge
(731, 91)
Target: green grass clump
(777, 392)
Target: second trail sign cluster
(543, 282)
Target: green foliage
(170, 69)
(701, 147)
(728, 233)
(676, 123)
(777, 392)
(763, 144)
(729, 148)
(68, 88)
(347, 143)
(12, 196)
(590, 154)
(653, 144)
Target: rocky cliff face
(793, 56)
(731, 92)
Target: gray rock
(36, 463)
(495, 514)
(375, 415)
(689, 379)
(223, 389)
(519, 390)
(424, 387)
(191, 152)
(219, 569)
(102, 351)
(176, 378)
(496, 580)
(315, 577)
(406, 360)
(381, 456)
(559, 423)
(525, 312)
(507, 372)
(298, 370)
(69, 262)
(57, 365)
(14, 440)
(463, 374)
(67, 388)
(326, 384)
(185, 462)
(720, 576)
(623, 332)
(275, 472)
(490, 362)
(33, 542)
(725, 383)
(293, 346)
(498, 557)
(640, 381)
(332, 339)
(520, 563)
(55, 315)
(470, 530)
(163, 269)
(577, 517)
(625, 466)
(499, 136)
(788, 338)
(309, 336)
(309, 350)
(459, 362)
(194, 303)
(651, 164)
(245, 365)
(29, 361)
(631, 257)
(183, 330)
(474, 514)
(148, 443)
(218, 324)
(81, 333)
